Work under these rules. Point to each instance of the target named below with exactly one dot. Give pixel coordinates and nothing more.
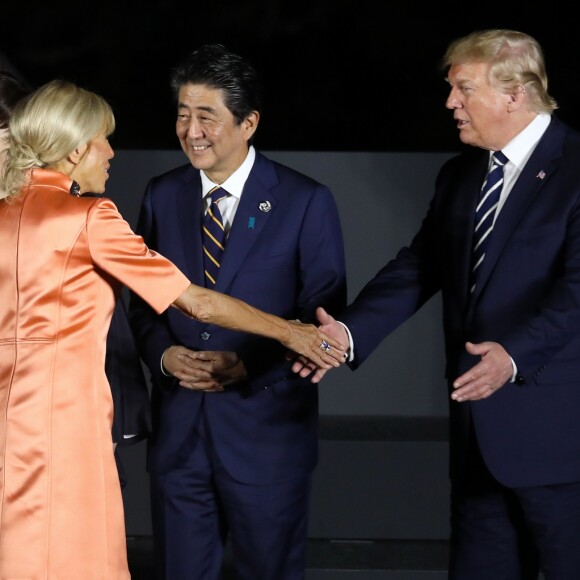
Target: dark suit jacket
(132, 415)
(528, 301)
(286, 260)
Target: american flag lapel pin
(541, 175)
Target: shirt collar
(234, 184)
(519, 149)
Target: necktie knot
(216, 194)
(499, 158)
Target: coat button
(205, 335)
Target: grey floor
(328, 559)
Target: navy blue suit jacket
(286, 261)
(528, 301)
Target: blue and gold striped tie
(214, 236)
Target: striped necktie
(213, 234)
(485, 213)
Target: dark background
(340, 75)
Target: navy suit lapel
(189, 212)
(257, 204)
(532, 179)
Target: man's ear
(250, 124)
(517, 98)
(75, 156)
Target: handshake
(306, 367)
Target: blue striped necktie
(214, 235)
(485, 213)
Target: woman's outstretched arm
(214, 307)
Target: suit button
(205, 335)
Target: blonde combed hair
(50, 124)
(515, 58)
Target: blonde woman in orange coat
(63, 259)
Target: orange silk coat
(62, 260)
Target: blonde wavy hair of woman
(48, 125)
(516, 62)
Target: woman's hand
(312, 343)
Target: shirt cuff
(163, 372)
(515, 371)
(350, 352)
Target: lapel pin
(251, 222)
(541, 175)
(265, 206)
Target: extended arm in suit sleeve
(394, 294)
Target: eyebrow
(207, 109)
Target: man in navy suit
(235, 431)
(512, 335)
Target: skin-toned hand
(326, 359)
(493, 371)
(330, 326)
(208, 371)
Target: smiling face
(91, 169)
(208, 132)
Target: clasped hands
(203, 370)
